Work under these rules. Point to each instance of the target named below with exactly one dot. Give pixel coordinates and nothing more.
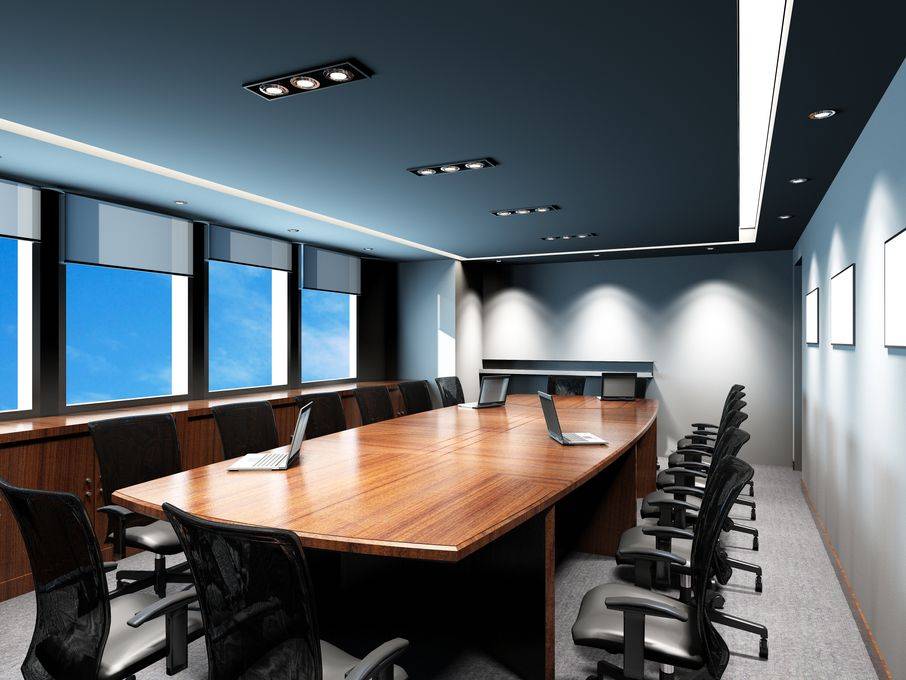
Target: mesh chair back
(256, 599)
(247, 427)
(326, 415)
(724, 485)
(564, 385)
(73, 611)
(416, 396)
(134, 450)
(374, 404)
(735, 406)
(450, 390)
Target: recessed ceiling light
(799, 180)
(339, 75)
(784, 217)
(274, 89)
(503, 213)
(597, 254)
(581, 235)
(293, 230)
(523, 211)
(451, 167)
(710, 248)
(822, 114)
(566, 238)
(368, 249)
(305, 82)
(499, 261)
(543, 208)
(550, 238)
(181, 202)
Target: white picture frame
(843, 307)
(895, 290)
(812, 316)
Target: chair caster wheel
(665, 676)
(758, 586)
(753, 514)
(755, 543)
(718, 602)
(763, 648)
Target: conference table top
(436, 485)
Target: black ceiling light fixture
(568, 237)
(798, 180)
(822, 114)
(525, 211)
(310, 79)
(452, 168)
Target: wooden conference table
(484, 490)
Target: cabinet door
(19, 465)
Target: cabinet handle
(87, 494)
(88, 482)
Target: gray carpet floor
(812, 632)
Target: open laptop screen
(494, 389)
(550, 415)
(299, 432)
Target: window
(328, 335)
(15, 324)
(126, 334)
(247, 335)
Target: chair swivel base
(607, 670)
(132, 580)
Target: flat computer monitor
(618, 386)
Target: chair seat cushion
(158, 537)
(130, 648)
(336, 663)
(649, 510)
(633, 540)
(666, 640)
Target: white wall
(706, 321)
(854, 400)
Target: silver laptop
(617, 387)
(281, 457)
(553, 427)
(493, 392)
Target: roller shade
(20, 211)
(116, 236)
(330, 271)
(230, 245)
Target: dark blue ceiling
(622, 113)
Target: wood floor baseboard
(871, 643)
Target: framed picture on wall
(895, 290)
(843, 307)
(811, 317)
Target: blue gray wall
(705, 321)
(854, 400)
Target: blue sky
(325, 335)
(118, 335)
(9, 267)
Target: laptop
(617, 387)
(493, 392)
(281, 457)
(553, 427)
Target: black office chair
(735, 392)
(82, 631)
(326, 415)
(450, 390)
(257, 603)
(641, 624)
(697, 454)
(374, 404)
(565, 385)
(246, 427)
(131, 451)
(416, 396)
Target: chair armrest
(652, 554)
(110, 566)
(377, 660)
(667, 532)
(674, 503)
(697, 449)
(702, 434)
(689, 469)
(117, 511)
(642, 605)
(704, 426)
(165, 605)
(684, 491)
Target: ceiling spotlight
(181, 202)
(710, 248)
(305, 82)
(450, 168)
(822, 114)
(566, 238)
(550, 238)
(784, 217)
(427, 171)
(475, 165)
(526, 211)
(581, 235)
(799, 180)
(274, 89)
(597, 254)
(543, 208)
(503, 213)
(499, 261)
(368, 249)
(523, 211)
(293, 230)
(339, 75)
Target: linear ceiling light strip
(97, 152)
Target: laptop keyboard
(270, 460)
